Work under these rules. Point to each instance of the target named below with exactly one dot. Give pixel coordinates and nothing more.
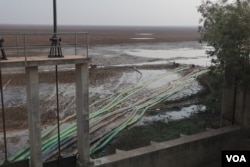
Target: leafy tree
(226, 28)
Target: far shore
(104, 35)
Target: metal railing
(32, 44)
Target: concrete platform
(42, 61)
(31, 65)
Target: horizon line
(95, 25)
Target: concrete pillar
(82, 115)
(34, 116)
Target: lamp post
(55, 50)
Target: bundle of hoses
(109, 110)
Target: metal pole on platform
(55, 50)
(55, 16)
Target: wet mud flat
(106, 35)
(110, 71)
(104, 81)
(14, 88)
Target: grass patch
(160, 131)
(141, 136)
(157, 131)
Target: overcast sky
(101, 12)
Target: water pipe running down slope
(121, 109)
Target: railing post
(87, 43)
(25, 50)
(17, 41)
(75, 43)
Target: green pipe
(117, 130)
(47, 144)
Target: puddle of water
(183, 56)
(167, 116)
(189, 90)
(200, 61)
(167, 54)
(149, 74)
(146, 63)
(142, 38)
(144, 34)
(133, 77)
(190, 52)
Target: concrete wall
(235, 111)
(203, 149)
(240, 114)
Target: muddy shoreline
(101, 70)
(99, 36)
(17, 113)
